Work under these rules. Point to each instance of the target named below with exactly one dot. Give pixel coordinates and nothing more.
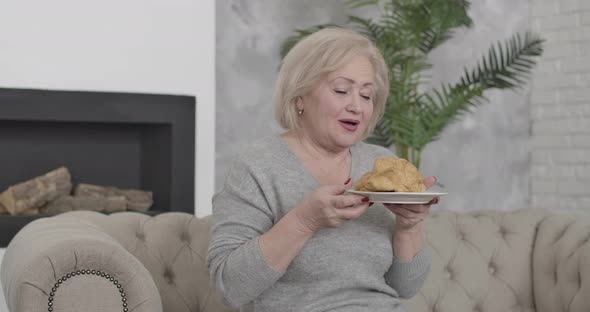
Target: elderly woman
(285, 236)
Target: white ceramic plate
(398, 197)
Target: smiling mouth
(349, 122)
(349, 125)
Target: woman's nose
(354, 105)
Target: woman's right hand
(329, 207)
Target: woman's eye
(340, 91)
(366, 97)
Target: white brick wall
(560, 106)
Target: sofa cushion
(562, 264)
(481, 262)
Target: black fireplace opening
(125, 140)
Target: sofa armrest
(70, 264)
(561, 264)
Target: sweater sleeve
(408, 277)
(240, 216)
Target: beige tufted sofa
(527, 260)
(158, 261)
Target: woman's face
(337, 111)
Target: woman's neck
(329, 166)
(314, 149)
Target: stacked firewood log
(51, 194)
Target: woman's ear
(299, 103)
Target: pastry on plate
(391, 175)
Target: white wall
(165, 46)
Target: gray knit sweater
(349, 268)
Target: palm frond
(444, 18)
(405, 78)
(433, 38)
(503, 68)
(367, 27)
(381, 135)
(508, 65)
(445, 106)
(450, 13)
(406, 22)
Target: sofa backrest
(561, 262)
(481, 262)
(173, 248)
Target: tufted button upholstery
(169, 276)
(481, 262)
(503, 231)
(140, 236)
(447, 273)
(173, 248)
(492, 269)
(562, 264)
(462, 235)
(185, 237)
(521, 261)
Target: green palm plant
(406, 32)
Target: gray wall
(483, 161)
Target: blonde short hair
(314, 57)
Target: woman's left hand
(408, 216)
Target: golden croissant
(391, 175)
